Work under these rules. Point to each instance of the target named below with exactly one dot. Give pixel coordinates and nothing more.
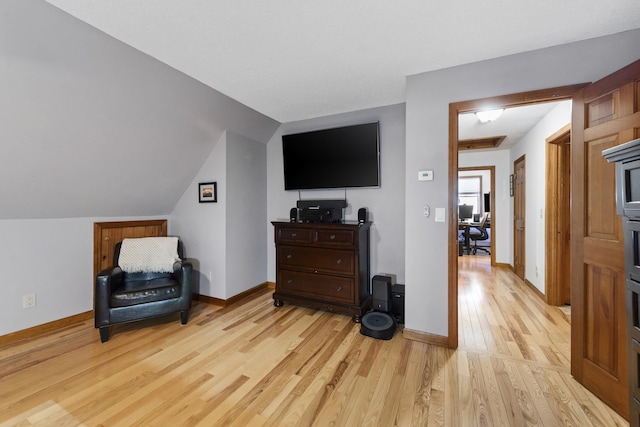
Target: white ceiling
(293, 59)
(514, 123)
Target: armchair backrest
(116, 251)
(141, 275)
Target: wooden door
(107, 234)
(519, 217)
(558, 218)
(605, 114)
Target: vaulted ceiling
(291, 59)
(110, 108)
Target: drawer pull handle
(339, 288)
(290, 281)
(294, 234)
(339, 261)
(289, 256)
(332, 237)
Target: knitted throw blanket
(148, 254)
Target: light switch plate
(440, 214)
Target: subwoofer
(381, 293)
(379, 324)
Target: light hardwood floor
(252, 364)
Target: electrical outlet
(209, 276)
(29, 301)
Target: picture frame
(208, 192)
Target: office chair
(479, 233)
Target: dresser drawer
(317, 259)
(337, 289)
(335, 237)
(294, 235)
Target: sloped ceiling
(116, 121)
(92, 127)
(299, 59)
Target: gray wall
(91, 126)
(533, 146)
(202, 226)
(94, 130)
(246, 207)
(385, 204)
(428, 98)
(225, 239)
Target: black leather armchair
(121, 297)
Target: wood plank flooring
(252, 364)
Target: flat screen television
(341, 157)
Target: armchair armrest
(182, 271)
(106, 281)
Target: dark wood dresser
(627, 159)
(324, 266)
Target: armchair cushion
(133, 292)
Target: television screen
(332, 158)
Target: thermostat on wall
(425, 176)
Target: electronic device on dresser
(293, 215)
(322, 210)
(362, 215)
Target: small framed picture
(208, 192)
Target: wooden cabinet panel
(293, 235)
(325, 266)
(317, 259)
(331, 288)
(335, 237)
(107, 234)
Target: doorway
(455, 109)
(558, 214)
(486, 199)
(519, 217)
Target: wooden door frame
(492, 202)
(557, 255)
(522, 159)
(456, 108)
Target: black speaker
(362, 215)
(293, 215)
(381, 292)
(397, 303)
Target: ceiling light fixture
(489, 115)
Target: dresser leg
(277, 303)
(357, 318)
